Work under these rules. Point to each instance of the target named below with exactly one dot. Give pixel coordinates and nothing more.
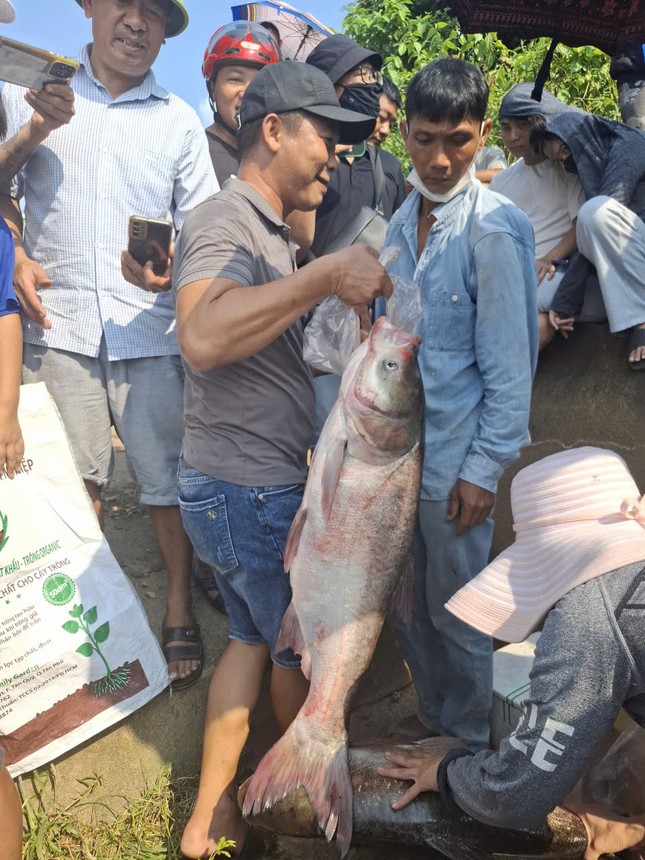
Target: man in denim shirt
(472, 254)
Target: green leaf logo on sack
(4, 537)
(83, 620)
(58, 589)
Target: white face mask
(466, 180)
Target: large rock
(584, 394)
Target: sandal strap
(189, 633)
(636, 338)
(184, 651)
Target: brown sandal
(187, 646)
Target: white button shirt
(143, 153)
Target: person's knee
(595, 217)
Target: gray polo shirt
(247, 423)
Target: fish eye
(390, 364)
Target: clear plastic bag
(618, 780)
(333, 333)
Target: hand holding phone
(53, 106)
(149, 240)
(146, 262)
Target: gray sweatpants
(612, 237)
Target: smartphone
(32, 67)
(149, 239)
(355, 151)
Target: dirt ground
(385, 695)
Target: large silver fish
(426, 822)
(346, 551)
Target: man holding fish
(249, 398)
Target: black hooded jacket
(609, 158)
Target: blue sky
(60, 26)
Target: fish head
(381, 389)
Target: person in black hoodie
(609, 158)
(627, 68)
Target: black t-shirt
(223, 156)
(352, 186)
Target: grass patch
(149, 827)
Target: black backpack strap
(379, 177)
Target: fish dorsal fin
(293, 538)
(332, 467)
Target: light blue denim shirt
(479, 333)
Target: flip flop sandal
(187, 645)
(636, 339)
(209, 589)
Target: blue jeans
(326, 390)
(241, 532)
(450, 662)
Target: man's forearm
(230, 322)
(10, 363)
(565, 247)
(15, 152)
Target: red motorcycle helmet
(239, 42)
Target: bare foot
(206, 827)
(638, 353)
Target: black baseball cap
(292, 86)
(338, 54)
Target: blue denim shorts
(241, 532)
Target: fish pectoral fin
(332, 467)
(293, 538)
(291, 637)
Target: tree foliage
(411, 33)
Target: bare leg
(10, 818)
(289, 689)
(546, 332)
(234, 691)
(177, 553)
(94, 492)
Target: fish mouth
(371, 404)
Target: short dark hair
(392, 92)
(447, 90)
(249, 135)
(539, 137)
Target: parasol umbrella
(605, 24)
(602, 23)
(299, 32)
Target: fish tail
(300, 759)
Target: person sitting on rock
(609, 159)
(548, 195)
(576, 569)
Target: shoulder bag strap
(379, 177)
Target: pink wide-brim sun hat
(577, 514)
